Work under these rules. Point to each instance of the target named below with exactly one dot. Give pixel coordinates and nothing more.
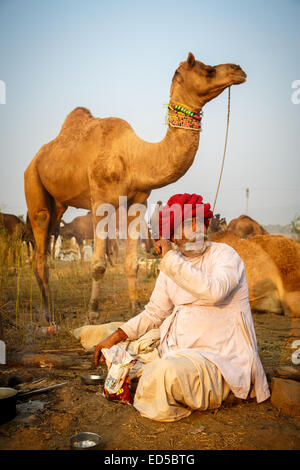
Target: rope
(225, 146)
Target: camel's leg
(39, 214)
(131, 269)
(81, 249)
(116, 250)
(28, 249)
(109, 251)
(98, 267)
(131, 258)
(43, 214)
(55, 237)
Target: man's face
(185, 232)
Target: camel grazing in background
(14, 230)
(12, 225)
(95, 160)
(81, 228)
(272, 266)
(245, 227)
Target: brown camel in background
(245, 227)
(95, 160)
(272, 265)
(12, 225)
(81, 228)
(285, 253)
(14, 229)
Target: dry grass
(20, 297)
(20, 303)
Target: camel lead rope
(225, 146)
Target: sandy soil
(48, 420)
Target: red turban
(188, 206)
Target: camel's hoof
(45, 320)
(41, 324)
(98, 269)
(93, 317)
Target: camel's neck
(166, 161)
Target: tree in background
(295, 227)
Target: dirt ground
(48, 420)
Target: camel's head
(194, 83)
(65, 231)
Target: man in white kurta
(207, 339)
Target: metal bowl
(86, 441)
(8, 400)
(92, 379)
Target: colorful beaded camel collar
(182, 117)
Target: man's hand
(108, 342)
(162, 246)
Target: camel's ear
(191, 60)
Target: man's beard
(196, 246)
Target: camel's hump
(246, 217)
(77, 117)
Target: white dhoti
(171, 388)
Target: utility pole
(247, 198)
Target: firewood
(66, 351)
(59, 361)
(286, 372)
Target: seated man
(200, 303)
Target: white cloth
(201, 303)
(143, 345)
(91, 335)
(172, 388)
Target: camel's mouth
(240, 78)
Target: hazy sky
(117, 58)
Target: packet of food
(123, 395)
(117, 384)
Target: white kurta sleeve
(158, 308)
(212, 288)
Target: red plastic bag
(123, 395)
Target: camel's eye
(211, 71)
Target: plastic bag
(117, 384)
(123, 395)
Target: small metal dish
(8, 400)
(86, 441)
(92, 379)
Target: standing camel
(93, 161)
(81, 228)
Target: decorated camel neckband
(183, 117)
